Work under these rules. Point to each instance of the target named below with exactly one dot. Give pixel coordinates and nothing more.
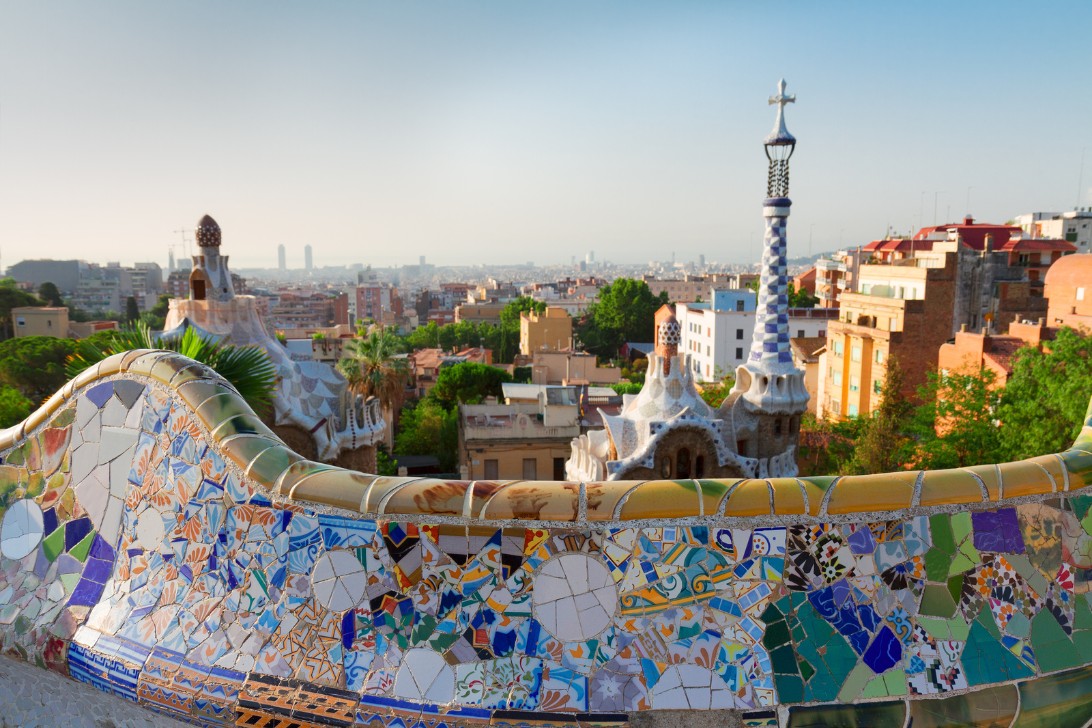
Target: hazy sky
(513, 131)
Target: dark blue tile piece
(75, 531)
(100, 549)
(861, 541)
(101, 393)
(997, 531)
(869, 619)
(97, 570)
(348, 629)
(49, 521)
(884, 652)
(86, 594)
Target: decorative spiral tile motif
(574, 597)
(338, 580)
(22, 529)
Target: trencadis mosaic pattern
(158, 545)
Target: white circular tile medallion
(338, 580)
(425, 675)
(22, 529)
(574, 597)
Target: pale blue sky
(514, 131)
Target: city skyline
(487, 132)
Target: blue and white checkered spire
(770, 350)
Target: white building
(716, 336)
(1074, 226)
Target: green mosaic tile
(790, 688)
(1053, 647)
(1056, 701)
(937, 563)
(985, 660)
(866, 715)
(53, 544)
(936, 601)
(777, 634)
(854, 683)
(940, 527)
(1080, 504)
(1019, 625)
(65, 417)
(987, 708)
(1082, 614)
(1033, 576)
(783, 660)
(79, 551)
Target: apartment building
(519, 441)
(716, 335)
(1074, 226)
(1068, 289)
(551, 330)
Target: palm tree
(247, 368)
(374, 368)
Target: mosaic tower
(771, 382)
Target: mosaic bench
(159, 543)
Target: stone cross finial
(782, 98)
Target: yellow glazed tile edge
(243, 436)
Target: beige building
(569, 367)
(480, 313)
(806, 352)
(549, 331)
(519, 441)
(40, 321)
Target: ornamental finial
(780, 135)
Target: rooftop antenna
(1080, 178)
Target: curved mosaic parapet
(158, 542)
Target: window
(854, 384)
(1080, 293)
(879, 356)
(490, 469)
(739, 334)
(837, 379)
(800, 333)
(877, 386)
(20, 321)
(777, 427)
(852, 410)
(739, 353)
(559, 468)
(855, 353)
(530, 469)
(838, 348)
(708, 350)
(699, 466)
(739, 305)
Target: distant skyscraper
(170, 260)
(701, 260)
(281, 264)
(308, 262)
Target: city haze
(510, 132)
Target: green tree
(424, 337)
(375, 367)
(627, 387)
(882, 443)
(1045, 399)
(624, 310)
(510, 314)
(385, 463)
(50, 294)
(955, 425)
(247, 368)
(11, 296)
(797, 299)
(467, 383)
(824, 445)
(156, 316)
(132, 311)
(427, 428)
(715, 393)
(14, 407)
(35, 365)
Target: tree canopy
(1046, 397)
(11, 296)
(468, 383)
(35, 365)
(624, 310)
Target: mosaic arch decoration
(160, 544)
